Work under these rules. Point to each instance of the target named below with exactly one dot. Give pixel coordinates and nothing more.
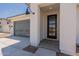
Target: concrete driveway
(2, 35)
(13, 45)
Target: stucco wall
(19, 17)
(4, 26)
(68, 28)
(35, 25)
(77, 41)
(0, 27)
(43, 27)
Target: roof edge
(16, 15)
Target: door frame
(52, 37)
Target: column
(35, 25)
(68, 28)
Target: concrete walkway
(12, 46)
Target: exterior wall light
(29, 11)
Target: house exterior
(4, 25)
(64, 26)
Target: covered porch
(49, 26)
(65, 35)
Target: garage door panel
(22, 28)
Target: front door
(52, 26)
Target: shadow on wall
(14, 46)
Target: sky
(11, 9)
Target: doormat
(77, 49)
(30, 48)
(61, 54)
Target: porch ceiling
(42, 4)
(46, 4)
(51, 7)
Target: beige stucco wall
(35, 25)
(77, 41)
(4, 26)
(0, 27)
(68, 28)
(43, 22)
(19, 17)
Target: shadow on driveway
(13, 45)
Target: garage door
(22, 28)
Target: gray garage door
(22, 28)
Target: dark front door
(52, 26)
